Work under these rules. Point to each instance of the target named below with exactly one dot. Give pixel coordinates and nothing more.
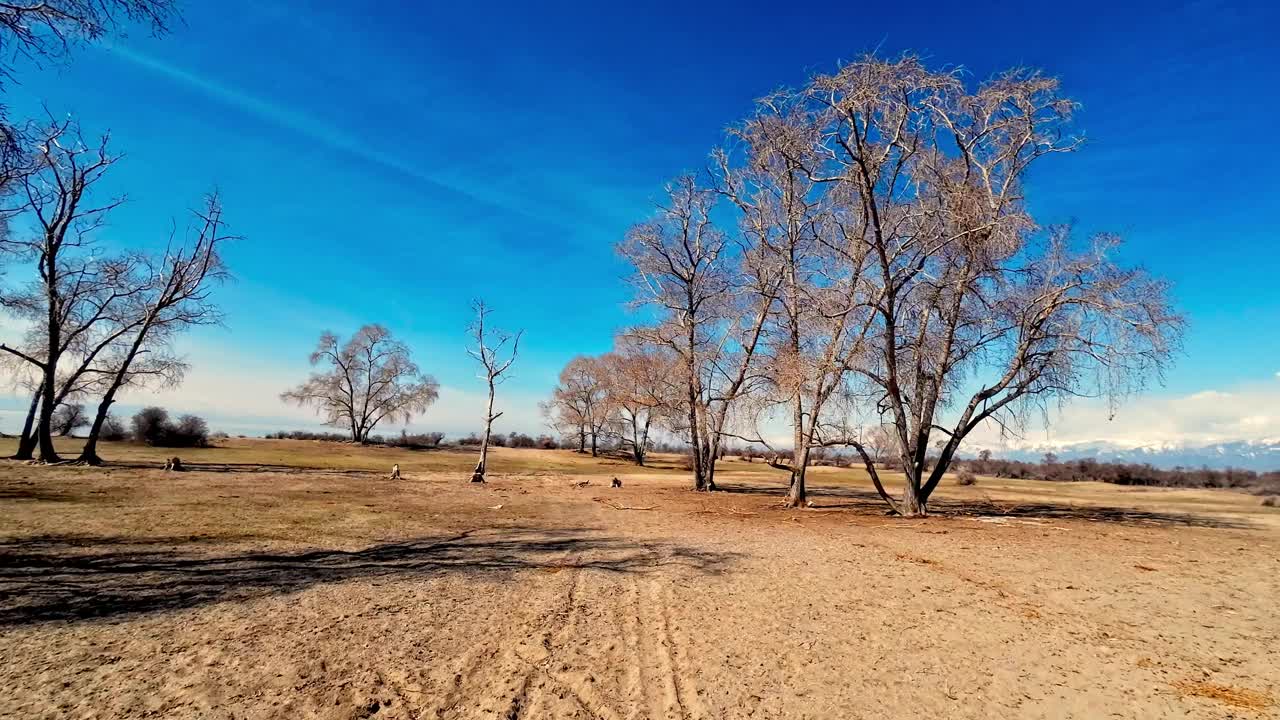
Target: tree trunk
(27, 441)
(44, 428)
(913, 503)
(593, 443)
(798, 496)
(478, 474)
(582, 440)
(89, 453)
(712, 449)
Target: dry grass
(1234, 696)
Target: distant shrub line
(424, 441)
(152, 426)
(1053, 470)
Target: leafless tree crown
(367, 379)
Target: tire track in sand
(655, 656)
(513, 672)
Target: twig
(616, 506)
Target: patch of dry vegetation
(1234, 696)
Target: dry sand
(276, 593)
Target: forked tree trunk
(639, 441)
(913, 501)
(797, 495)
(712, 449)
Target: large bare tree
(175, 296)
(79, 301)
(799, 232)
(980, 314)
(495, 350)
(368, 379)
(711, 313)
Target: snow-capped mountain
(1260, 455)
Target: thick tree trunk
(89, 453)
(797, 495)
(44, 427)
(27, 441)
(638, 443)
(712, 449)
(594, 452)
(913, 501)
(582, 440)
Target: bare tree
(642, 391)
(69, 417)
(565, 417)
(582, 396)
(370, 378)
(968, 291)
(711, 315)
(495, 350)
(800, 234)
(77, 293)
(174, 297)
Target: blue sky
(388, 167)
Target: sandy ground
(267, 592)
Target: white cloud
(1247, 412)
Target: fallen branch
(616, 506)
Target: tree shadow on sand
(867, 502)
(70, 578)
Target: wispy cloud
(304, 125)
(487, 195)
(1242, 413)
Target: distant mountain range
(1260, 455)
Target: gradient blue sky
(390, 166)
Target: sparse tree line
(100, 320)
(620, 399)
(372, 377)
(1088, 469)
(859, 261)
